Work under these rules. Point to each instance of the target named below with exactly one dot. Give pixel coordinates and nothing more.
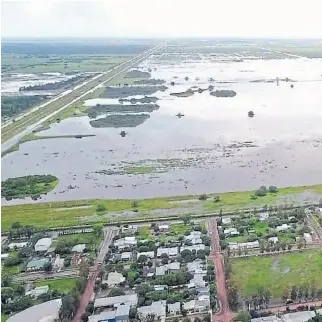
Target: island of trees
(27, 186)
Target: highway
(13, 132)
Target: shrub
(260, 192)
(100, 208)
(272, 189)
(203, 197)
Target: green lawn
(144, 232)
(61, 285)
(179, 229)
(68, 213)
(4, 317)
(86, 238)
(277, 272)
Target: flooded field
(213, 147)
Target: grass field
(58, 214)
(61, 285)
(60, 64)
(277, 272)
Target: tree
(84, 317)
(115, 292)
(186, 219)
(142, 259)
(134, 204)
(203, 197)
(272, 189)
(100, 208)
(97, 229)
(216, 199)
(260, 192)
(16, 225)
(294, 292)
(243, 316)
(48, 266)
(142, 289)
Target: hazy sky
(162, 18)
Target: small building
(308, 237)
(170, 251)
(248, 245)
(226, 221)
(79, 248)
(164, 228)
(43, 245)
(160, 271)
(125, 242)
(273, 239)
(194, 237)
(4, 256)
(168, 268)
(37, 291)
(59, 263)
(263, 216)
(13, 246)
(193, 247)
(174, 309)
(195, 266)
(298, 316)
(157, 309)
(36, 264)
(147, 254)
(114, 278)
(195, 306)
(160, 288)
(231, 231)
(197, 281)
(121, 314)
(282, 227)
(129, 229)
(126, 256)
(131, 299)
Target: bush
(100, 208)
(260, 192)
(272, 189)
(203, 197)
(216, 199)
(134, 204)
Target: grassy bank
(80, 212)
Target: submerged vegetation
(28, 186)
(126, 91)
(120, 120)
(223, 93)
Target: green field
(61, 285)
(57, 214)
(277, 273)
(60, 64)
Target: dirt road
(89, 291)
(224, 315)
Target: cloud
(161, 18)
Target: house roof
(79, 248)
(195, 265)
(299, 316)
(38, 263)
(193, 247)
(126, 255)
(147, 254)
(170, 251)
(103, 316)
(131, 299)
(157, 308)
(38, 290)
(44, 312)
(18, 245)
(123, 310)
(160, 271)
(43, 244)
(164, 226)
(175, 307)
(226, 221)
(115, 278)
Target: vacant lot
(63, 285)
(277, 272)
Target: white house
(43, 245)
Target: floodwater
(215, 147)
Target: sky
(161, 18)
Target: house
(125, 242)
(174, 309)
(148, 271)
(263, 216)
(248, 245)
(273, 239)
(126, 256)
(194, 237)
(121, 314)
(298, 316)
(197, 281)
(37, 291)
(79, 248)
(157, 309)
(231, 231)
(282, 227)
(43, 245)
(195, 266)
(160, 271)
(195, 306)
(193, 247)
(129, 229)
(131, 299)
(147, 254)
(204, 300)
(226, 221)
(113, 279)
(168, 268)
(36, 264)
(307, 237)
(13, 246)
(160, 288)
(170, 251)
(164, 228)
(47, 311)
